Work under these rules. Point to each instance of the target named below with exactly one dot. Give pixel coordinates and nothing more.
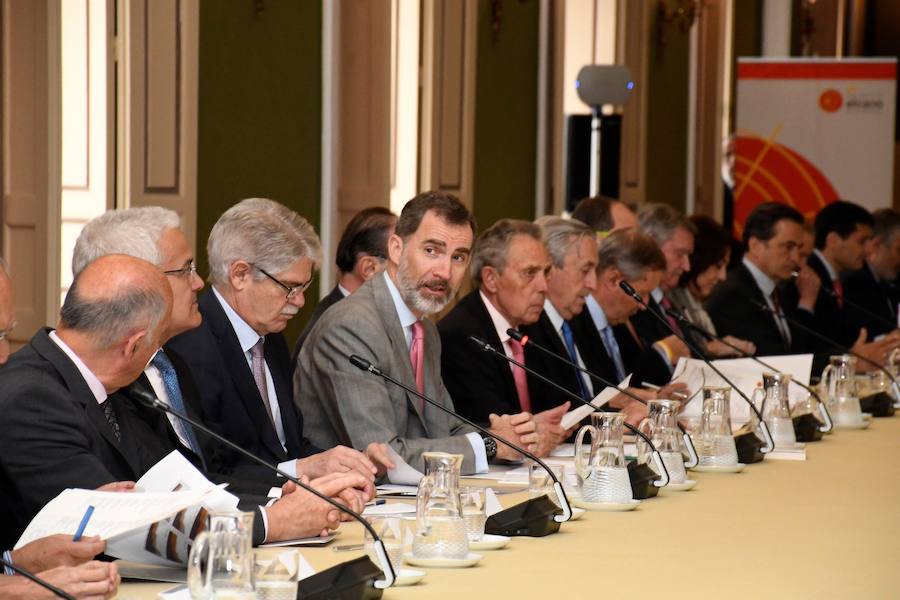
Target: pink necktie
(519, 375)
(417, 356)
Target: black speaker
(642, 477)
(879, 405)
(352, 580)
(806, 428)
(533, 518)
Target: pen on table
(650, 386)
(84, 521)
(377, 502)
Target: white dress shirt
(500, 325)
(247, 338)
(557, 321)
(407, 319)
(767, 285)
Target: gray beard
(409, 291)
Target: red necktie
(519, 375)
(417, 357)
(839, 290)
(667, 305)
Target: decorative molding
(151, 187)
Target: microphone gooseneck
(44, 584)
(770, 443)
(860, 308)
(365, 365)
(823, 410)
(657, 458)
(693, 459)
(387, 568)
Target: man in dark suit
(626, 255)
(261, 258)
(870, 292)
(656, 348)
(509, 267)
(361, 255)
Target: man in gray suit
(384, 323)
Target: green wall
(667, 117)
(259, 123)
(506, 113)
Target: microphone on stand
(535, 517)
(354, 577)
(640, 475)
(884, 408)
(823, 410)
(523, 339)
(44, 584)
(748, 446)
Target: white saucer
(409, 577)
(443, 563)
(849, 426)
(606, 506)
(490, 542)
(577, 513)
(720, 468)
(684, 486)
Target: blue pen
(83, 524)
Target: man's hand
(519, 429)
(299, 514)
(874, 351)
(634, 412)
(57, 551)
(717, 348)
(339, 459)
(91, 581)
(808, 284)
(675, 390)
(117, 486)
(380, 457)
(678, 348)
(550, 432)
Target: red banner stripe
(807, 70)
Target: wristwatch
(490, 447)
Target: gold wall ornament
(679, 13)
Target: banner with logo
(810, 131)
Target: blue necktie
(612, 348)
(176, 402)
(573, 356)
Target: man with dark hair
(870, 292)
(509, 266)
(603, 214)
(384, 322)
(361, 255)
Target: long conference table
(827, 527)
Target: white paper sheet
(574, 416)
(402, 473)
(391, 489)
(746, 374)
(309, 541)
(390, 509)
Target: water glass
(540, 483)
(473, 508)
(392, 531)
(277, 576)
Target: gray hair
(110, 319)
(560, 235)
(631, 251)
(492, 246)
(661, 221)
(263, 233)
(131, 231)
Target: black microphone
(44, 584)
(532, 517)
(352, 576)
(860, 308)
(661, 476)
(746, 447)
(886, 408)
(823, 410)
(523, 339)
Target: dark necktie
(176, 401)
(573, 356)
(667, 305)
(839, 292)
(779, 321)
(110, 412)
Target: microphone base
(880, 405)
(642, 477)
(532, 518)
(352, 580)
(806, 428)
(749, 447)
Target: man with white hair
(262, 256)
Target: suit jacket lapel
(486, 325)
(236, 365)
(760, 297)
(281, 378)
(397, 339)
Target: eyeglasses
(4, 333)
(187, 271)
(291, 290)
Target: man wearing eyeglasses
(262, 256)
